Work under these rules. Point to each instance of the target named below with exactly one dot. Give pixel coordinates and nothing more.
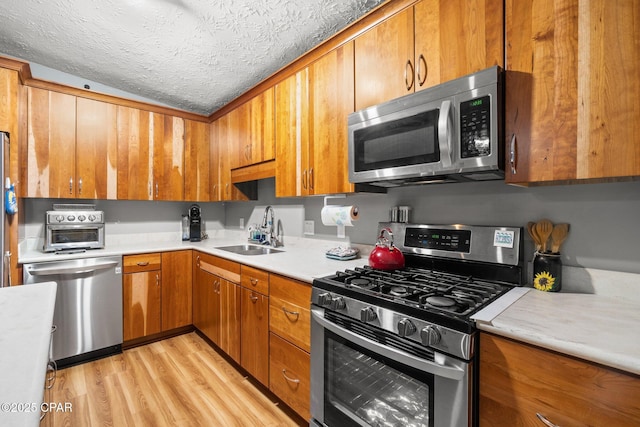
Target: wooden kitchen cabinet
(197, 177)
(312, 107)
(177, 297)
(254, 347)
(214, 162)
(216, 305)
(432, 42)
(226, 146)
(71, 146)
(572, 90)
(150, 155)
(141, 295)
(252, 131)
(290, 342)
(518, 381)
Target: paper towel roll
(339, 215)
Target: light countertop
(26, 316)
(598, 328)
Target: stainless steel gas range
(398, 348)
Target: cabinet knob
(291, 380)
(545, 420)
(421, 79)
(291, 313)
(70, 185)
(408, 66)
(512, 154)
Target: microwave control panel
(475, 127)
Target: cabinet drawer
(289, 375)
(289, 314)
(254, 279)
(217, 266)
(142, 262)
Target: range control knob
(338, 303)
(430, 335)
(81, 217)
(59, 218)
(406, 327)
(324, 299)
(92, 217)
(367, 314)
(71, 218)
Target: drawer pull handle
(253, 299)
(291, 380)
(292, 313)
(253, 281)
(545, 420)
(143, 264)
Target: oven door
(64, 237)
(362, 376)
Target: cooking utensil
(385, 256)
(532, 232)
(558, 235)
(543, 229)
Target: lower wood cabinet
(519, 381)
(216, 301)
(290, 342)
(141, 295)
(176, 290)
(254, 355)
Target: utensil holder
(547, 272)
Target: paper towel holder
(341, 227)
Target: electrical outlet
(241, 223)
(309, 228)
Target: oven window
(81, 235)
(368, 389)
(408, 141)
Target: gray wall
(604, 230)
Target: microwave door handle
(451, 372)
(445, 141)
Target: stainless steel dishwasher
(88, 310)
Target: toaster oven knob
(324, 299)
(430, 335)
(368, 315)
(338, 303)
(406, 328)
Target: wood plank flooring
(180, 381)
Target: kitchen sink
(249, 249)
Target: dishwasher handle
(81, 269)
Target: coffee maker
(194, 223)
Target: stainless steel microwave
(447, 133)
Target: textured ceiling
(195, 55)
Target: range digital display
(438, 239)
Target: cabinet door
(290, 374)
(51, 144)
(201, 295)
(214, 162)
(384, 60)
(176, 290)
(197, 141)
(261, 125)
(96, 150)
(255, 335)
(168, 157)
(229, 341)
(292, 135)
(135, 154)
(141, 298)
(238, 136)
(517, 381)
(289, 314)
(228, 153)
(207, 306)
(456, 38)
(332, 100)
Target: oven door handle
(451, 372)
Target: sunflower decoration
(544, 281)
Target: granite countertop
(301, 259)
(598, 328)
(26, 316)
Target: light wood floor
(179, 381)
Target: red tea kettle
(385, 256)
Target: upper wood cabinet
(572, 90)
(214, 162)
(431, 42)
(331, 94)
(292, 135)
(225, 131)
(197, 179)
(251, 130)
(150, 155)
(71, 147)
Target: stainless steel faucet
(267, 225)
